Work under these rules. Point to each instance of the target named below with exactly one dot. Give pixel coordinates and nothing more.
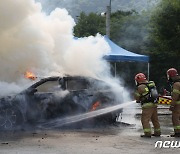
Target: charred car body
(56, 97)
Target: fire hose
(77, 118)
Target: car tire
(108, 118)
(10, 118)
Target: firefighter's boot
(156, 135)
(175, 135)
(146, 135)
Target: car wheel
(10, 118)
(108, 118)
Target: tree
(165, 39)
(130, 30)
(89, 25)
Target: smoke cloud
(44, 44)
(31, 40)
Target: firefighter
(148, 99)
(174, 80)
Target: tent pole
(115, 69)
(148, 71)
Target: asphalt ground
(123, 137)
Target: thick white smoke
(31, 40)
(44, 44)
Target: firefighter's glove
(171, 108)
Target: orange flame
(30, 75)
(95, 105)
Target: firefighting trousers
(176, 118)
(150, 114)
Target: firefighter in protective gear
(174, 80)
(143, 95)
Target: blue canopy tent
(119, 54)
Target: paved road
(110, 139)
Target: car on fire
(54, 97)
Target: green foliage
(165, 39)
(129, 30)
(166, 26)
(155, 33)
(74, 7)
(89, 25)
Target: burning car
(57, 97)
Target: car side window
(49, 86)
(77, 84)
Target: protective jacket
(175, 106)
(149, 95)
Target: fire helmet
(140, 77)
(172, 72)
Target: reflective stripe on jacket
(176, 91)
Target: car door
(80, 92)
(42, 102)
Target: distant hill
(74, 7)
